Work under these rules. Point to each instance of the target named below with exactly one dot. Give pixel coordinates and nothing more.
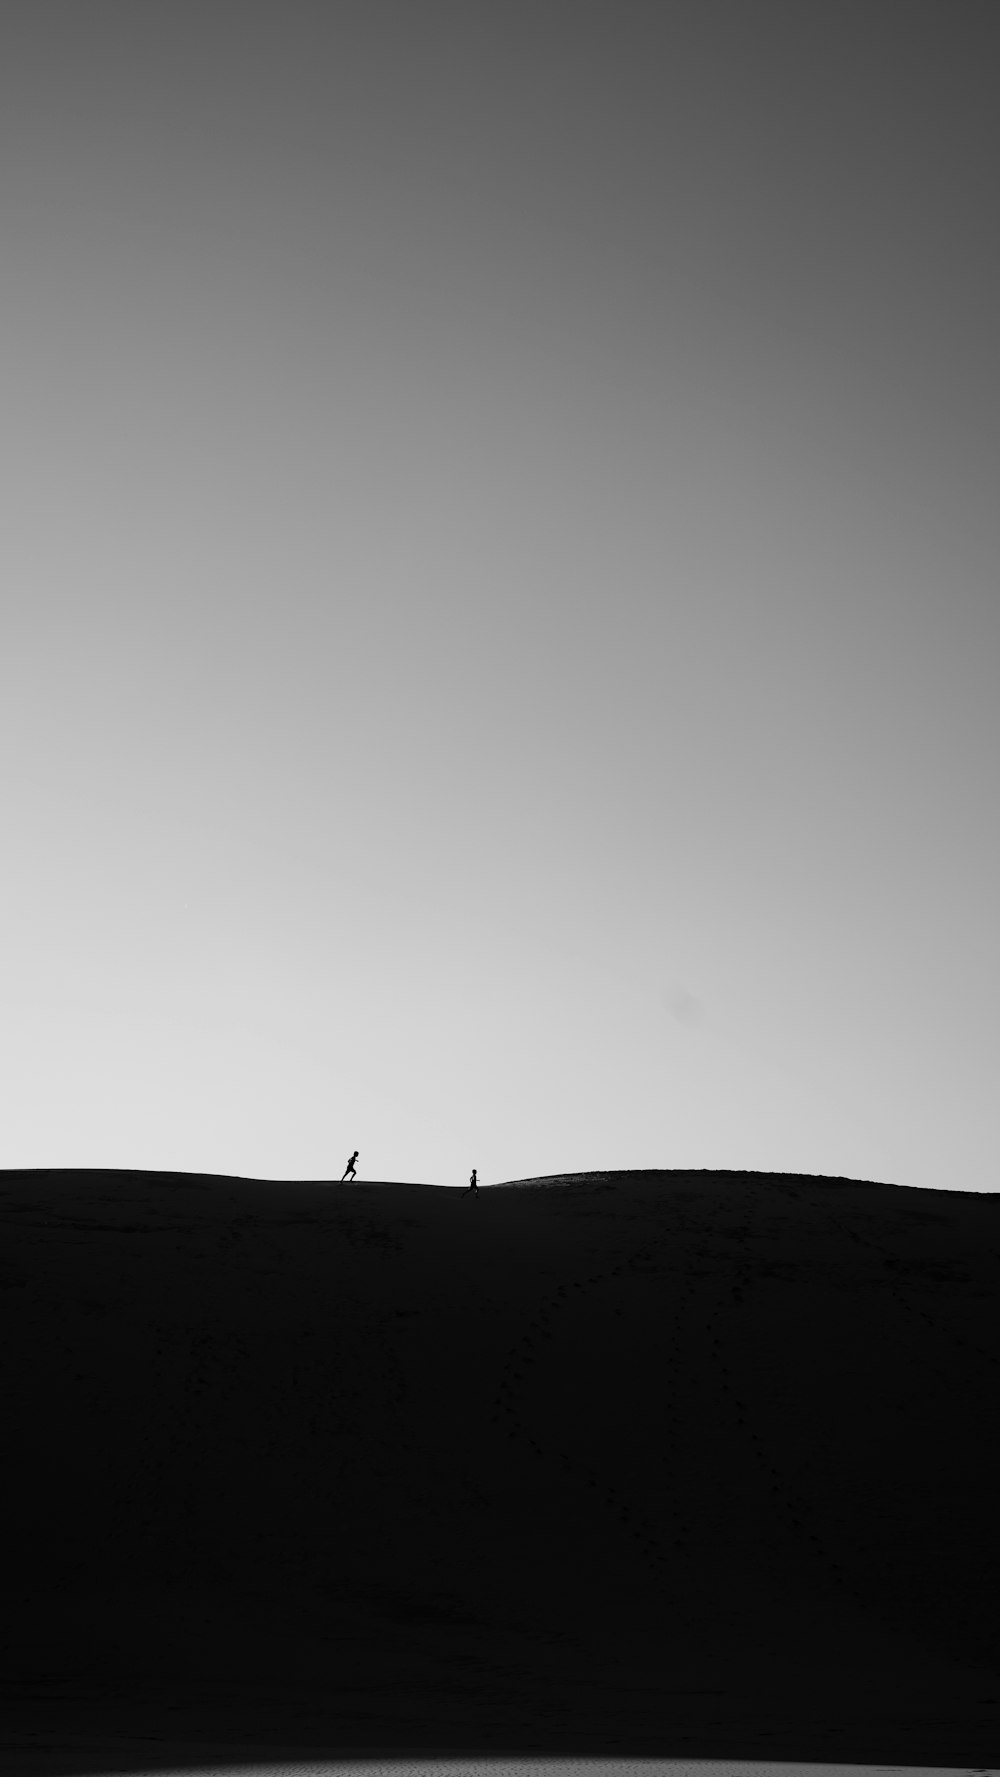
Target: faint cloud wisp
(682, 1005)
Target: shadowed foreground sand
(664, 1465)
(485, 1767)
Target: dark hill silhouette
(654, 1463)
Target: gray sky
(499, 610)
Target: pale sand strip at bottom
(455, 1765)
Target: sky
(499, 608)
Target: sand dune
(661, 1464)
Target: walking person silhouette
(473, 1186)
(349, 1168)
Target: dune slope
(677, 1464)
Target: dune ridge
(654, 1464)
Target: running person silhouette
(349, 1168)
(473, 1186)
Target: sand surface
(672, 1466)
(576, 1768)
